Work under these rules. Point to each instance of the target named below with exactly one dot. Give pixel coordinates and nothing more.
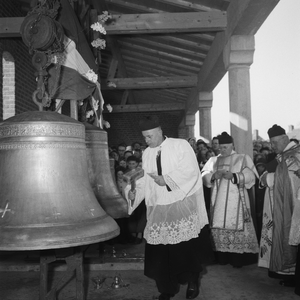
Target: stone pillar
(190, 120)
(205, 104)
(238, 56)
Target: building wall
(124, 126)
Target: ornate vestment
(267, 229)
(176, 214)
(286, 211)
(232, 226)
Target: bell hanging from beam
(46, 200)
(100, 175)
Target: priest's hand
(227, 175)
(131, 195)
(159, 179)
(217, 175)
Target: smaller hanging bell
(100, 174)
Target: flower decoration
(106, 124)
(98, 26)
(99, 43)
(104, 17)
(91, 75)
(109, 107)
(111, 84)
(89, 114)
(95, 104)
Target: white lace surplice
(177, 215)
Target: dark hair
(118, 169)
(122, 145)
(199, 142)
(133, 144)
(128, 151)
(132, 158)
(112, 152)
(264, 148)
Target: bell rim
(41, 238)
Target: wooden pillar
(238, 56)
(205, 104)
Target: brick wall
(25, 82)
(8, 85)
(124, 126)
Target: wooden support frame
(74, 263)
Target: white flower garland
(98, 26)
(91, 75)
(109, 107)
(106, 124)
(99, 43)
(111, 84)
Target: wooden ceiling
(161, 54)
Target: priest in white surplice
(173, 193)
(230, 175)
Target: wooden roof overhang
(161, 54)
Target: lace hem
(235, 241)
(173, 232)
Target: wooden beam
(10, 27)
(144, 23)
(124, 97)
(136, 6)
(161, 64)
(167, 22)
(147, 107)
(113, 66)
(154, 82)
(167, 44)
(189, 5)
(118, 57)
(146, 48)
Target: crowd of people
(127, 158)
(250, 206)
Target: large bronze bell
(46, 200)
(100, 175)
